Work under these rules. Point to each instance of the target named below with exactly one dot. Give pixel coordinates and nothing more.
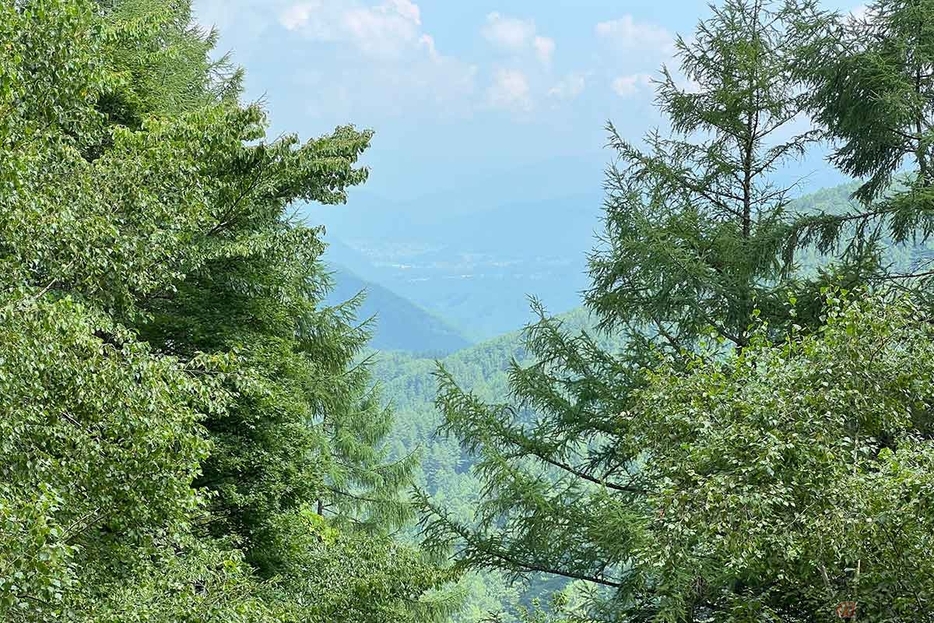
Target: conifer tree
(305, 429)
(694, 223)
(687, 482)
(871, 83)
(693, 231)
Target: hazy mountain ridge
(399, 323)
(477, 270)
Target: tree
(694, 225)
(694, 228)
(793, 476)
(786, 473)
(101, 436)
(176, 397)
(871, 80)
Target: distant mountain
(400, 325)
(477, 270)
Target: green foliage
(748, 488)
(88, 487)
(872, 96)
(193, 582)
(446, 472)
(189, 432)
(790, 477)
(873, 89)
(694, 224)
(177, 399)
(335, 575)
(693, 233)
(545, 461)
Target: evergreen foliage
(694, 222)
(871, 88)
(693, 234)
(737, 461)
(446, 472)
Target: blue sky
(472, 102)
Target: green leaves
(176, 399)
(872, 96)
(873, 91)
(99, 439)
(785, 469)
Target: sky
(473, 102)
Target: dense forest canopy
(737, 426)
(186, 434)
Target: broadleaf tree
(176, 397)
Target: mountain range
(399, 324)
(477, 270)
(472, 256)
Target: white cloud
(544, 48)
(428, 42)
(298, 15)
(407, 9)
(629, 34)
(510, 90)
(628, 86)
(632, 51)
(569, 87)
(397, 65)
(517, 36)
(385, 30)
(508, 32)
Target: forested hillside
(408, 383)
(397, 324)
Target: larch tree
(695, 224)
(871, 94)
(695, 221)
